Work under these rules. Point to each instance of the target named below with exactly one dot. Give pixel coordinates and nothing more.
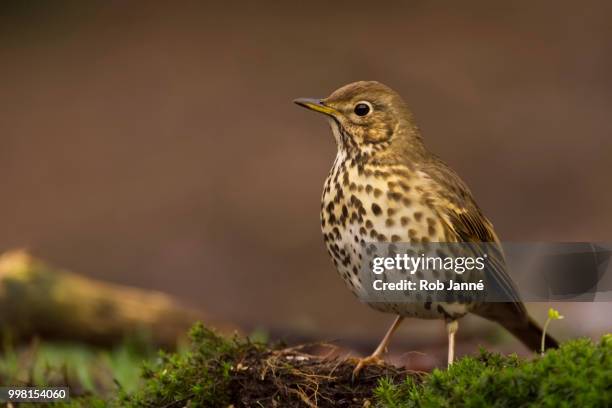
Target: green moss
(217, 372)
(578, 374)
(197, 377)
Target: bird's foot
(373, 359)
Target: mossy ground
(578, 374)
(219, 372)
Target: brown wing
(453, 200)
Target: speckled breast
(364, 203)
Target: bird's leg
(451, 328)
(374, 358)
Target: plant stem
(544, 335)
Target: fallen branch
(39, 300)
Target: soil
(293, 377)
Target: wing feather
(456, 206)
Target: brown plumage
(385, 186)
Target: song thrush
(385, 186)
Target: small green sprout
(553, 314)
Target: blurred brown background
(156, 144)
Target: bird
(386, 186)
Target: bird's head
(366, 116)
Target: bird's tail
(530, 334)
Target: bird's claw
(362, 362)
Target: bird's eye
(363, 108)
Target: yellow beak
(316, 105)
